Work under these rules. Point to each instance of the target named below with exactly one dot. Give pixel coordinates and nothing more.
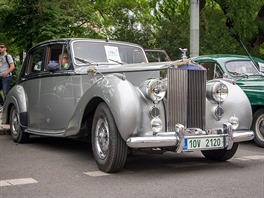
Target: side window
(151, 57)
(36, 61)
(163, 57)
(213, 70)
(218, 73)
(58, 55)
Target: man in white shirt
(6, 68)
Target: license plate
(203, 143)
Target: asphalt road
(53, 167)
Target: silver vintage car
(107, 92)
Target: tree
(150, 23)
(28, 22)
(229, 22)
(245, 22)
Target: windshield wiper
(239, 74)
(85, 61)
(119, 62)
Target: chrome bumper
(176, 139)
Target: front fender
(120, 96)
(236, 104)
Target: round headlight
(156, 90)
(217, 92)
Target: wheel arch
(121, 98)
(17, 98)
(256, 107)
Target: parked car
(107, 92)
(157, 55)
(245, 71)
(261, 67)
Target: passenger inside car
(64, 60)
(241, 70)
(61, 64)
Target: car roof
(85, 39)
(227, 57)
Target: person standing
(6, 67)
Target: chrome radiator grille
(186, 98)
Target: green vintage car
(245, 71)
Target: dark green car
(245, 71)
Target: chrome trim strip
(172, 139)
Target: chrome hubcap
(260, 127)
(15, 123)
(102, 138)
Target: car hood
(254, 89)
(251, 82)
(124, 68)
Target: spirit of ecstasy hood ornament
(184, 50)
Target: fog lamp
(234, 122)
(156, 124)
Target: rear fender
(18, 98)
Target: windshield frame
(238, 68)
(102, 52)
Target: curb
(4, 129)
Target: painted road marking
(188, 165)
(252, 157)
(96, 173)
(13, 182)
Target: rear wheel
(109, 149)
(221, 154)
(17, 132)
(258, 127)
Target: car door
(31, 83)
(49, 93)
(57, 95)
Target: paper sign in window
(112, 54)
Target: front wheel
(258, 127)
(109, 149)
(17, 132)
(221, 154)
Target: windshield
(243, 67)
(106, 53)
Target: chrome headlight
(216, 92)
(156, 90)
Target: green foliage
(224, 24)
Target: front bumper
(178, 138)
